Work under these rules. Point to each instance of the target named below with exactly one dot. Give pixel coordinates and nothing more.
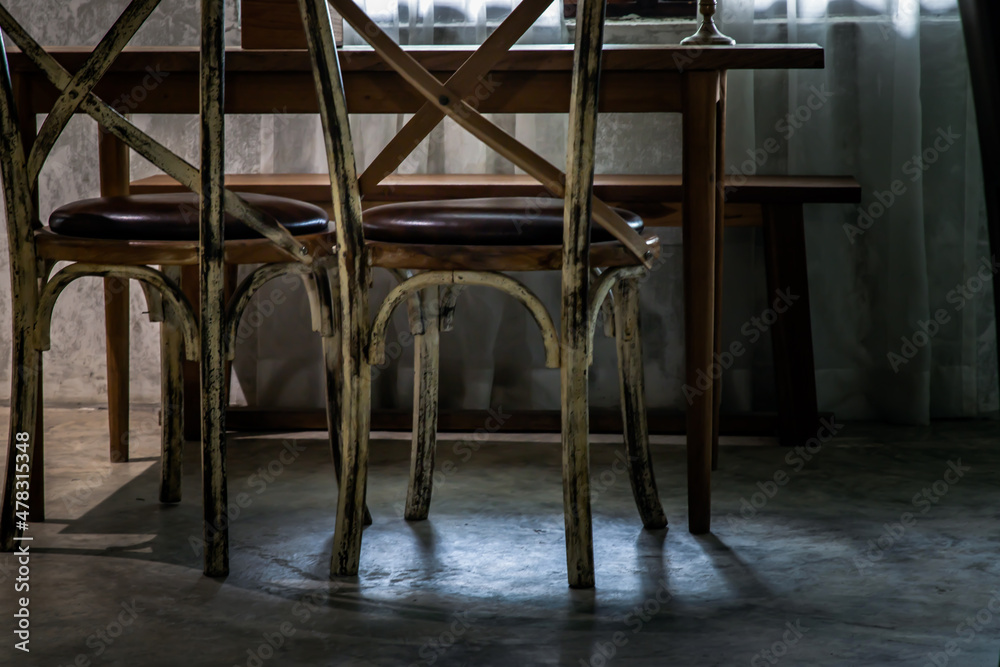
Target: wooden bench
(774, 203)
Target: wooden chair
(438, 246)
(122, 238)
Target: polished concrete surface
(880, 549)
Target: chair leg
(355, 423)
(116, 323)
(192, 388)
(334, 390)
(425, 409)
(171, 404)
(38, 456)
(213, 441)
(638, 460)
(23, 421)
(575, 436)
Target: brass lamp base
(708, 34)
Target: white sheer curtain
(902, 322)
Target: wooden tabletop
(531, 79)
(658, 58)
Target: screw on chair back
(22, 156)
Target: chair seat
(174, 217)
(506, 221)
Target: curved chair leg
(24, 400)
(425, 408)
(354, 430)
(640, 466)
(334, 391)
(355, 424)
(171, 403)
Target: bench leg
(791, 337)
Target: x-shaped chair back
(453, 99)
(23, 163)
(359, 343)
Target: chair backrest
(22, 154)
(449, 99)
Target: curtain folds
(902, 315)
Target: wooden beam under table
(602, 420)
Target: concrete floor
(845, 564)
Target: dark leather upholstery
(493, 221)
(174, 217)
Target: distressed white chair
(123, 238)
(437, 247)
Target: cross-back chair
(437, 247)
(124, 238)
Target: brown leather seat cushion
(174, 217)
(493, 221)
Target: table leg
(720, 224)
(700, 97)
(114, 171)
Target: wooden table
(688, 80)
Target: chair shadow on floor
(732, 568)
